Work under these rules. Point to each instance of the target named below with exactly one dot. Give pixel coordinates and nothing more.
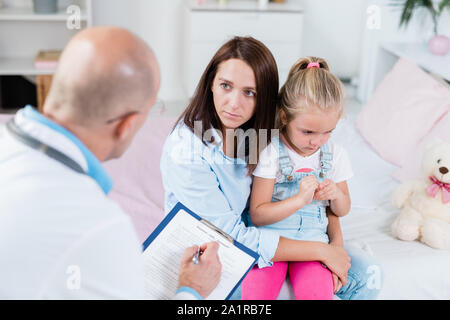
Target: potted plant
(438, 44)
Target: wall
(335, 30)
(159, 24)
(420, 29)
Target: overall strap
(326, 158)
(283, 160)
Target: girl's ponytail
(303, 63)
(310, 84)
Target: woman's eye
(225, 86)
(249, 93)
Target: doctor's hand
(204, 276)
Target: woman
(208, 158)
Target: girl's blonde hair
(307, 88)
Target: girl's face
(309, 130)
(234, 93)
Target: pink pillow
(137, 178)
(402, 110)
(412, 168)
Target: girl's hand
(307, 188)
(327, 190)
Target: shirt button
(289, 178)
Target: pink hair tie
(313, 65)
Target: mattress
(411, 269)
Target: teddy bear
(425, 203)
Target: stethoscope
(34, 143)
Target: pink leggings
(310, 281)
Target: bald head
(103, 73)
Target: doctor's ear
(125, 126)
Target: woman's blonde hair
(313, 87)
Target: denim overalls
(310, 222)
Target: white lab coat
(60, 236)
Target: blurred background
(361, 39)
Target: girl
(201, 168)
(299, 174)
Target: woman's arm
(334, 257)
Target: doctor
(60, 236)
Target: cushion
(411, 168)
(137, 178)
(402, 111)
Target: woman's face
(234, 93)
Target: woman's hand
(337, 284)
(338, 261)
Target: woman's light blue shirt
(214, 186)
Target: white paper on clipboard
(166, 246)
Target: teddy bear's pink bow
(438, 185)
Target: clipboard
(165, 246)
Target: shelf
(20, 66)
(244, 6)
(27, 14)
(419, 53)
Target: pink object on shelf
(439, 45)
(45, 64)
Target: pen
(196, 255)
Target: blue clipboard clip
(219, 231)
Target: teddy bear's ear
(432, 143)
